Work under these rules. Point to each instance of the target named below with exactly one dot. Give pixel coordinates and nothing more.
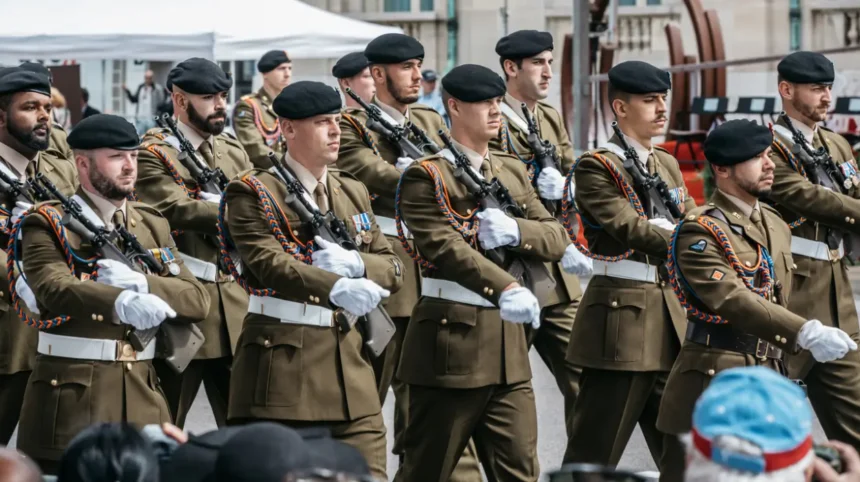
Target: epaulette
(822, 126)
(417, 106)
(229, 135)
(58, 126)
(659, 148)
(141, 206)
(770, 208)
(340, 173)
(352, 111)
(247, 96)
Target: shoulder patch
(717, 275)
(699, 246)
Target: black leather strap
(724, 337)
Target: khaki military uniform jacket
(17, 340)
(286, 371)
(256, 126)
(58, 147)
(717, 289)
(456, 345)
(513, 139)
(66, 395)
(378, 173)
(816, 280)
(196, 221)
(625, 324)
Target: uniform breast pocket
(620, 313)
(785, 275)
(62, 393)
(268, 365)
(457, 350)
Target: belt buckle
(834, 255)
(125, 352)
(761, 347)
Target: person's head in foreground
(15, 467)
(109, 452)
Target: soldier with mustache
(199, 90)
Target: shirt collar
(641, 152)
(193, 137)
(804, 129)
(16, 160)
(742, 205)
(394, 113)
(304, 175)
(104, 207)
(516, 105)
(475, 159)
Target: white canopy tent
(174, 30)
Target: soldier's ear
(786, 89)
(287, 128)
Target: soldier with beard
(25, 129)
(59, 144)
(199, 89)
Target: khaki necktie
(755, 217)
(486, 170)
(118, 219)
(206, 152)
(321, 198)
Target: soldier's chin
(216, 126)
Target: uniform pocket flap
(708, 362)
(272, 335)
(444, 312)
(63, 374)
(620, 297)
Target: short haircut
(613, 93)
(445, 97)
(517, 62)
(5, 101)
(108, 452)
(85, 94)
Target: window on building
(426, 5)
(397, 5)
(655, 2)
(117, 80)
(626, 3)
(794, 24)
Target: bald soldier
(25, 130)
(352, 71)
(199, 91)
(731, 263)
(294, 365)
(629, 325)
(526, 58)
(87, 371)
(254, 121)
(465, 355)
(822, 214)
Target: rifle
(213, 181)
(15, 188)
(658, 201)
(545, 153)
(135, 255)
(396, 134)
(377, 326)
(530, 273)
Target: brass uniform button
(267, 343)
(615, 304)
(443, 321)
(95, 317)
(127, 350)
(490, 292)
(128, 366)
(486, 290)
(133, 223)
(54, 382)
(100, 318)
(711, 372)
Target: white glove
(550, 184)
(18, 210)
(663, 223)
(497, 229)
(118, 274)
(403, 162)
(26, 295)
(209, 197)
(142, 311)
(358, 296)
(519, 305)
(334, 259)
(572, 192)
(576, 263)
(826, 343)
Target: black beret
(104, 130)
(523, 44)
(806, 68)
(199, 76)
(263, 452)
(194, 461)
(349, 65)
(637, 77)
(271, 60)
(38, 68)
(17, 79)
(306, 98)
(736, 141)
(393, 48)
(473, 83)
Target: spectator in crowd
(148, 97)
(430, 95)
(109, 452)
(60, 112)
(15, 467)
(86, 109)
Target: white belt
(451, 291)
(290, 311)
(816, 249)
(626, 269)
(91, 349)
(200, 269)
(389, 227)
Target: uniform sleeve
(599, 197)
(541, 235)
(248, 135)
(716, 285)
(564, 147)
(815, 202)
(381, 265)
(156, 187)
(356, 158)
(263, 255)
(454, 258)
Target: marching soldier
(59, 145)
(526, 57)
(820, 218)
(87, 371)
(731, 264)
(629, 322)
(294, 365)
(395, 65)
(254, 121)
(352, 71)
(199, 89)
(25, 132)
(465, 355)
